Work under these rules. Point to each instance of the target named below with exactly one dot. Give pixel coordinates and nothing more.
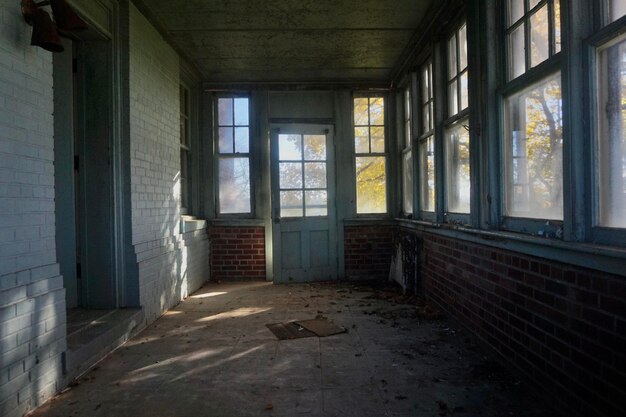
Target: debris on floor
(319, 326)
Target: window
(426, 146)
(457, 138)
(370, 157)
(234, 155)
(533, 33)
(533, 124)
(610, 146)
(185, 149)
(407, 156)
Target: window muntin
(611, 135)
(458, 97)
(534, 151)
(457, 164)
(370, 157)
(233, 148)
(185, 147)
(533, 34)
(303, 183)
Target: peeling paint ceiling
(290, 40)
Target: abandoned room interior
(177, 175)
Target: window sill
(190, 224)
(609, 259)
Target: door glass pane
(315, 174)
(517, 52)
(315, 147)
(371, 185)
(361, 109)
(242, 140)
(242, 115)
(234, 185)
(539, 37)
(316, 203)
(611, 145)
(290, 147)
(291, 204)
(290, 175)
(378, 139)
(362, 139)
(534, 151)
(377, 111)
(225, 111)
(226, 140)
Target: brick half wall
(237, 252)
(563, 327)
(368, 251)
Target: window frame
(605, 33)
(462, 115)
(508, 87)
(218, 156)
(425, 134)
(355, 155)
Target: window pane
(463, 48)
(242, 116)
(425, 85)
(371, 185)
(534, 143)
(618, 9)
(517, 52)
(315, 147)
(452, 65)
(427, 174)
(290, 147)
(315, 175)
(377, 111)
(532, 4)
(407, 117)
(516, 11)
(362, 139)
(407, 182)
(378, 139)
(557, 26)
(453, 99)
(361, 109)
(226, 139)
(539, 37)
(234, 185)
(242, 140)
(458, 168)
(464, 91)
(290, 175)
(291, 204)
(316, 203)
(225, 111)
(611, 163)
(427, 120)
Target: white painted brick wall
(170, 266)
(32, 299)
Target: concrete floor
(213, 356)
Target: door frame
(333, 224)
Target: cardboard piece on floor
(321, 327)
(289, 331)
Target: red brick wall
(237, 252)
(368, 251)
(564, 327)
